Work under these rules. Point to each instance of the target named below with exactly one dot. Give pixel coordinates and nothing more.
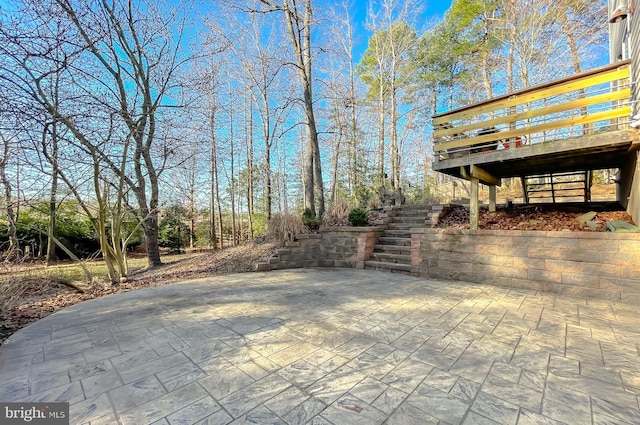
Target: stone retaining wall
(586, 264)
(332, 247)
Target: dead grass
(16, 289)
(337, 214)
(72, 272)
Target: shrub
(310, 221)
(173, 233)
(358, 217)
(72, 229)
(284, 227)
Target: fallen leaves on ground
(530, 217)
(25, 300)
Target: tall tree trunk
(575, 59)
(215, 172)
(250, 169)
(149, 226)
(100, 222)
(486, 74)
(300, 34)
(395, 150)
(266, 133)
(268, 183)
(239, 220)
(192, 203)
(232, 181)
(308, 174)
(213, 242)
(51, 256)
(317, 175)
(512, 39)
(150, 223)
(353, 160)
(334, 174)
(352, 138)
(11, 215)
(381, 131)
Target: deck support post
(525, 195)
(492, 198)
(474, 208)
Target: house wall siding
(634, 37)
(617, 33)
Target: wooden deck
(589, 152)
(577, 123)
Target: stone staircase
(393, 251)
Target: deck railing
(590, 102)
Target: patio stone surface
(331, 346)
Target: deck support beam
(485, 177)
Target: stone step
(417, 220)
(391, 258)
(388, 240)
(382, 265)
(393, 249)
(406, 207)
(400, 226)
(397, 233)
(412, 213)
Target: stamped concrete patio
(331, 347)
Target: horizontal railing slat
(623, 111)
(621, 94)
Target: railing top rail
(573, 77)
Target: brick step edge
(387, 266)
(391, 258)
(387, 248)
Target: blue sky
(433, 11)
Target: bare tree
(119, 63)
(208, 83)
(538, 32)
(299, 22)
(254, 45)
(250, 165)
(206, 79)
(343, 89)
(53, 193)
(387, 66)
